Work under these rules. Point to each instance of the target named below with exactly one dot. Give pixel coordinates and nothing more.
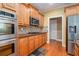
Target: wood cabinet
(22, 15)
(72, 10)
(40, 40)
(41, 20)
(31, 44)
(36, 41)
(34, 12)
(22, 46)
(10, 6)
(0, 5)
(26, 45)
(78, 9)
(44, 38)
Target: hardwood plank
(54, 49)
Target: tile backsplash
(34, 29)
(25, 30)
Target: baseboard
(59, 40)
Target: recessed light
(51, 3)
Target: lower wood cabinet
(40, 40)
(36, 42)
(31, 44)
(22, 46)
(26, 45)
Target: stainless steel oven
(8, 25)
(7, 47)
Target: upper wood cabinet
(41, 20)
(34, 12)
(22, 46)
(10, 6)
(72, 10)
(0, 5)
(77, 9)
(19, 15)
(22, 14)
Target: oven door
(7, 50)
(7, 29)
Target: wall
(55, 13)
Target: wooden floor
(54, 49)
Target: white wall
(57, 13)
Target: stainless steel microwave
(34, 22)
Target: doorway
(55, 29)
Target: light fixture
(51, 3)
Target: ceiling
(44, 7)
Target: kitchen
(22, 29)
(15, 34)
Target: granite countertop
(27, 35)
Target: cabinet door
(36, 14)
(26, 15)
(22, 45)
(41, 20)
(36, 42)
(0, 5)
(19, 14)
(31, 44)
(23, 15)
(33, 12)
(44, 38)
(39, 41)
(78, 9)
(71, 11)
(11, 6)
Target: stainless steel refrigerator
(72, 33)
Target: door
(71, 34)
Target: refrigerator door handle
(75, 28)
